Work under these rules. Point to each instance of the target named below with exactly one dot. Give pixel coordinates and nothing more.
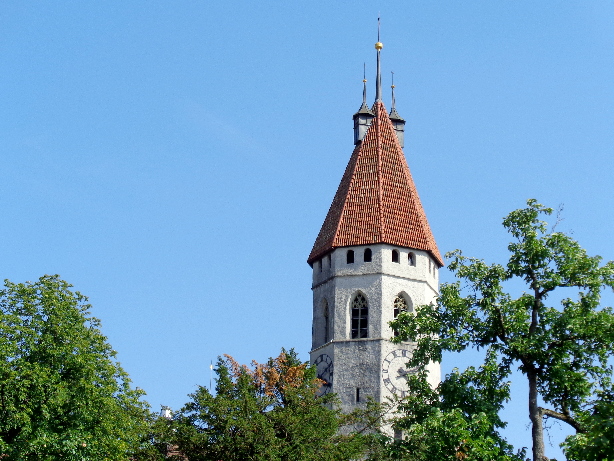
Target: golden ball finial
(364, 80)
(379, 46)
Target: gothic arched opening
(360, 317)
(400, 305)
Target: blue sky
(174, 161)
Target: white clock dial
(395, 371)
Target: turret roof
(377, 201)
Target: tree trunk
(535, 414)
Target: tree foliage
(62, 394)
(267, 412)
(596, 441)
(562, 350)
(457, 420)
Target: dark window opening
(360, 317)
(411, 259)
(357, 394)
(368, 255)
(321, 263)
(350, 257)
(395, 256)
(329, 261)
(398, 434)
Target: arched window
(350, 257)
(411, 259)
(326, 323)
(400, 305)
(368, 255)
(395, 256)
(360, 317)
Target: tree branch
(559, 342)
(562, 417)
(503, 335)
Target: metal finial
(379, 45)
(392, 86)
(378, 81)
(364, 84)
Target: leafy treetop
(562, 350)
(62, 393)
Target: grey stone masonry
(370, 366)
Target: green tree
(62, 394)
(267, 412)
(596, 442)
(457, 420)
(562, 350)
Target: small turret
(397, 122)
(364, 117)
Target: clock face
(395, 371)
(324, 365)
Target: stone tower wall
(358, 362)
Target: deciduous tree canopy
(457, 420)
(266, 412)
(563, 349)
(62, 393)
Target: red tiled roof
(377, 201)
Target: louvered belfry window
(360, 317)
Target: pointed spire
(364, 116)
(364, 84)
(377, 200)
(393, 104)
(394, 115)
(397, 121)
(378, 80)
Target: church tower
(375, 256)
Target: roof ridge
(380, 194)
(349, 185)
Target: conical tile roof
(377, 201)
